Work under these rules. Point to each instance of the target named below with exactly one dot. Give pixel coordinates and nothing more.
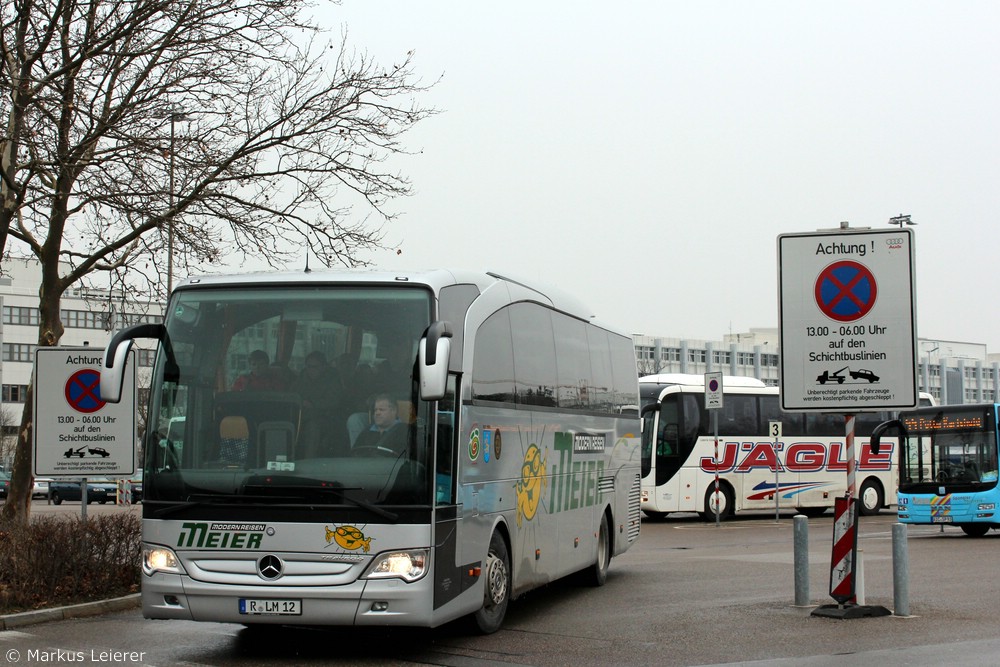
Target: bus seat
(234, 439)
(274, 441)
(406, 412)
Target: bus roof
(435, 279)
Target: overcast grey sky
(646, 155)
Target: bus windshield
(289, 396)
(956, 449)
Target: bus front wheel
(724, 506)
(496, 596)
(871, 498)
(976, 529)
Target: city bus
(515, 461)
(678, 452)
(948, 466)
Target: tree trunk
(50, 330)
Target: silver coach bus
(366, 448)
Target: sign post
(713, 402)
(847, 317)
(774, 429)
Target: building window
(697, 356)
(721, 357)
(744, 358)
(14, 393)
(85, 319)
(670, 354)
(146, 357)
(20, 315)
(18, 352)
(129, 319)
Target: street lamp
(174, 117)
(901, 220)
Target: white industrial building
(89, 318)
(951, 371)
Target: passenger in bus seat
(320, 389)
(260, 378)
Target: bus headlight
(406, 565)
(160, 559)
(987, 506)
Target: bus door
(676, 431)
(449, 581)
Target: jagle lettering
(199, 536)
(798, 457)
(579, 487)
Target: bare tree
(203, 127)
(650, 366)
(7, 424)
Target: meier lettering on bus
(799, 457)
(574, 483)
(198, 535)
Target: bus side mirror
(116, 358)
(435, 351)
(879, 431)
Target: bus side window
(691, 421)
(666, 439)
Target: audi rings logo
(270, 567)
(894, 244)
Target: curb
(11, 621)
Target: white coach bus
(679, 464)
(276, 491)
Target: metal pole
(800, 546)
(859, 579)
(170, 211)
(83, 498)
(900, 571)
(851, 485)
(776, 487)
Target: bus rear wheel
(726, 505)
(871, 498)
(496, 596)
(597, 574)
(656, 516)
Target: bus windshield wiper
(282, 500)
(339, 491)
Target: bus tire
(597, 574)
(975, 529)
(726, 503)
(871, 497)
(497, 587)
(655, 516)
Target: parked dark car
(4, 483)
(136, 486)
(98, 491)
